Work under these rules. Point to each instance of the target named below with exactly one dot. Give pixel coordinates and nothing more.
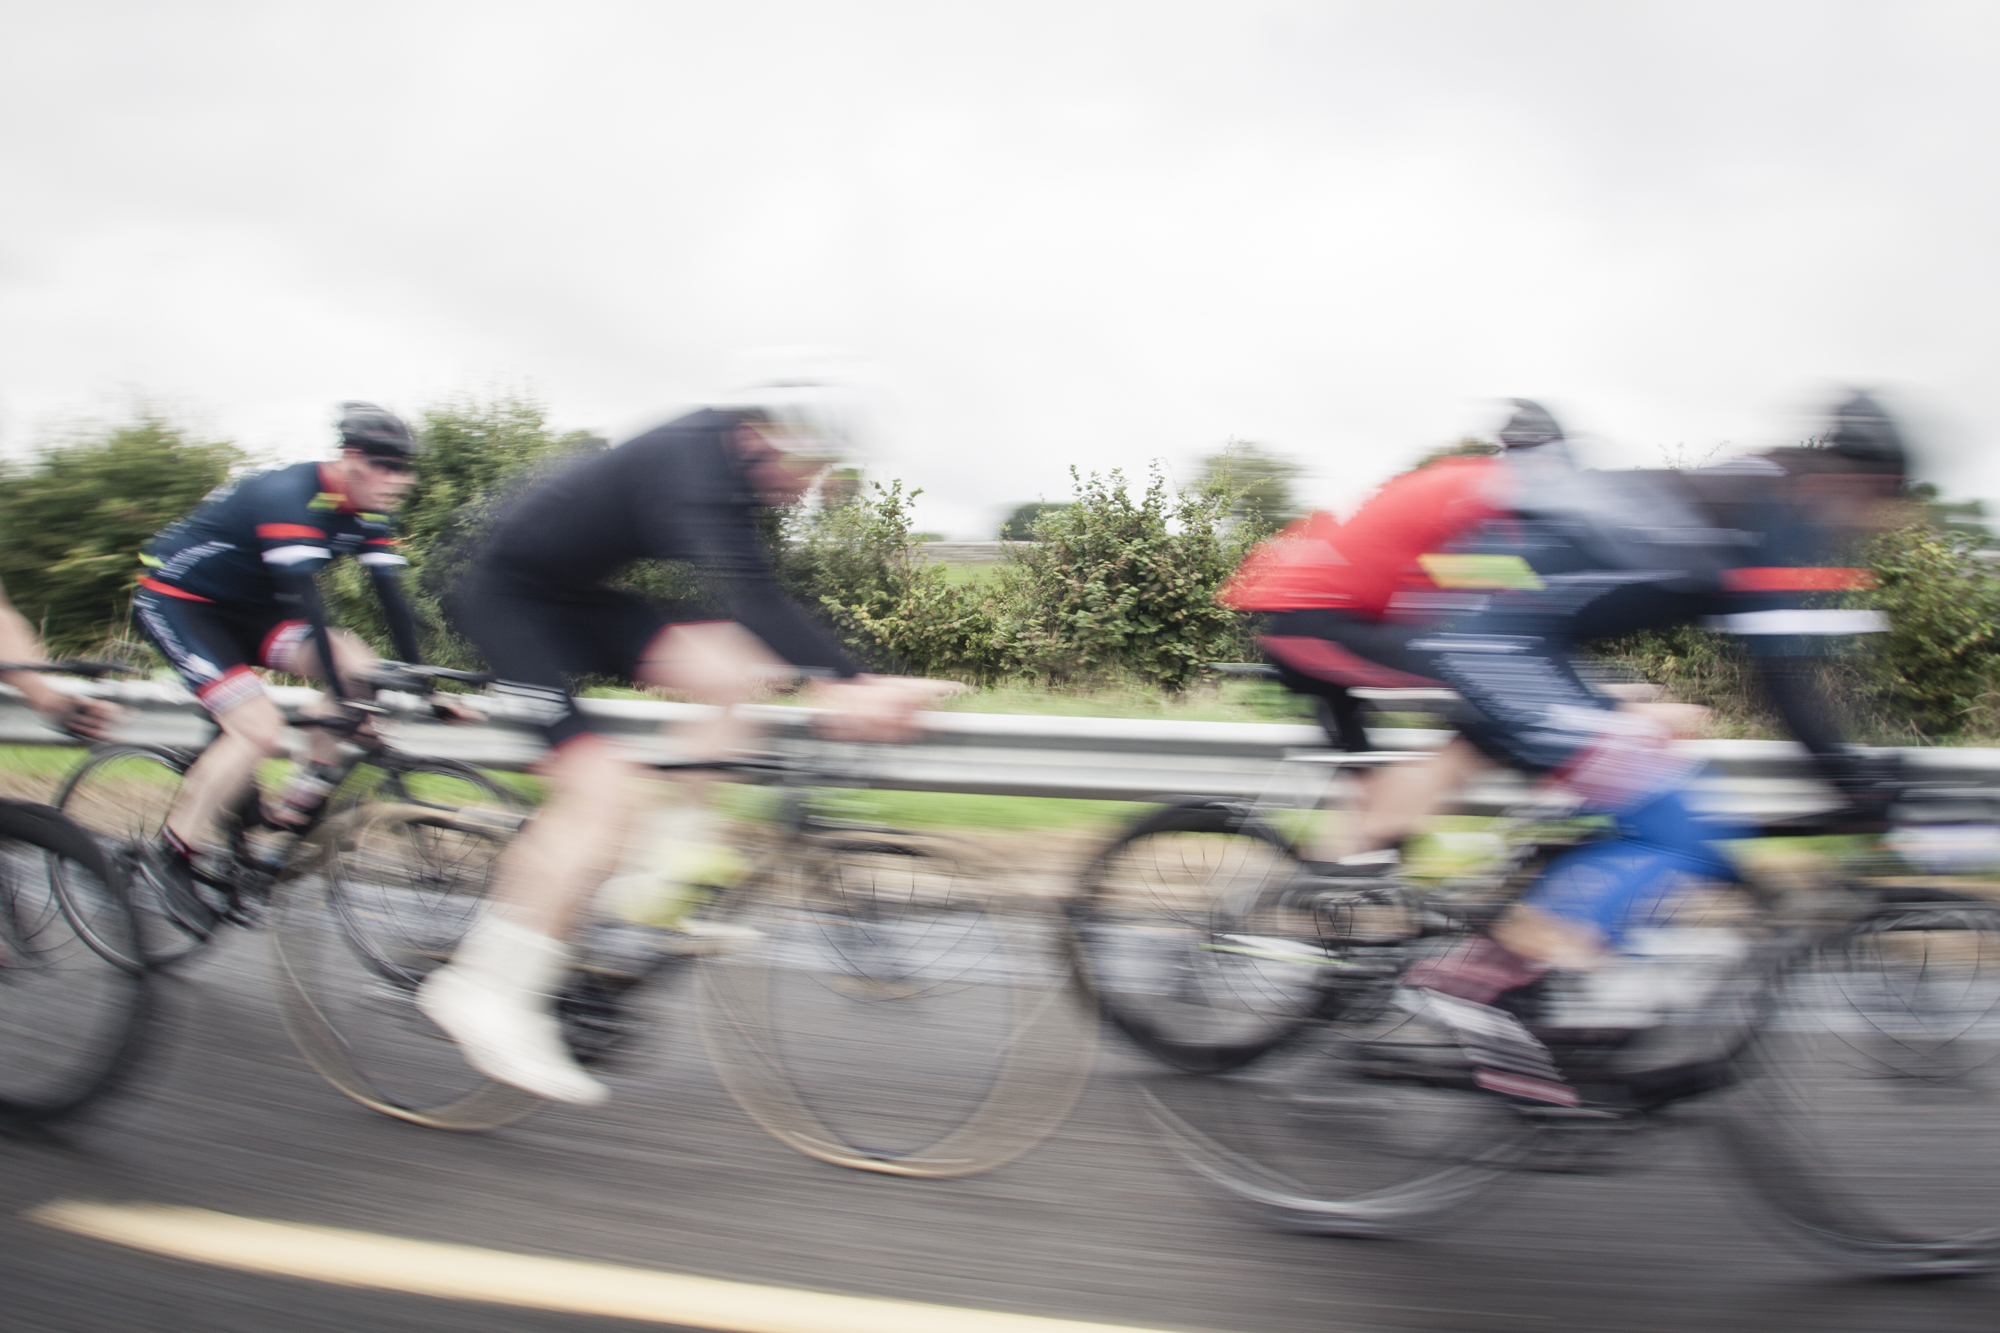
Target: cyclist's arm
(385, 568)
(298, 593)
(19, 644)
(697, 512)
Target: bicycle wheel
(898, 1015)
(73, 1008)
(395, 778)
(121, 795)
(1368, 1130)
(1874, 1124)
(1190, 938)
(394, 889)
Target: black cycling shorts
(214, 646)
(1323, 653)
(539, 641)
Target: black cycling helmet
(1530, 425)
(1861, 431)
(375, 431)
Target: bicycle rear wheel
(1367, 1130)
(898, 1015)
(396, 888)
(73, 1006)
(1874, 1127)
(121, 795)
(1196, 936)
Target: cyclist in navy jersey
(1744, 546)
(230, 588)
(537, 604)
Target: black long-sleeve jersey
(677, 492)
(260, 540)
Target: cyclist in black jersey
(537, 604)
(230, 588)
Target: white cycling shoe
(493, 1000)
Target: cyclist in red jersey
(1342, 602)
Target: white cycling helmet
(817, 403)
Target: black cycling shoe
(171, 876)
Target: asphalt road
(1097, 1224)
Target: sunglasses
(393, 466)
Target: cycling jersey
(537, 603)
(288, 520)
(240, 568)
(1321, 563)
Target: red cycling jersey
(1319, 562)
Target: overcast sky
(1084, 231)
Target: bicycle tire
(74, 1006)
(899, 1016)
(121, 794)
(1873, 1123)
(1165, 934)
(1327, 1137)
(356, 929)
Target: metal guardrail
(1000, 754)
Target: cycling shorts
(539, 641)
(213, 646)
(1322, 653)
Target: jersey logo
(327, 500)
(1480, 571)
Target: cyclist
(230, 588)
(1342, 601)
(91, 719)
(1609, 553)
(537, 604)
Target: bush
(1116, 584)
(73, 519)
(1936, 663)
(857, 563)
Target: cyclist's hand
(90, 719)
(455, 709)
(875, 708)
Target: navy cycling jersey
(258, 542)
(245, 535)
(677, 492)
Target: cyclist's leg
(1324, 654)
(495, 996)
(212, 649)
(1526, 705)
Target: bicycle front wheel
(897, 1014)
(395, 889)
(1187, 935)
(1874, 1124)
(73, 1003)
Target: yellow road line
(572, 1286)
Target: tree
(1117, 583)
(1020, 525)
(1966, 516)
(72, 521)
(1257, 482)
